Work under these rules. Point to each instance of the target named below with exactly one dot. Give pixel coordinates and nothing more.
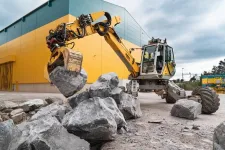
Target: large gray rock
(53, 110)
(18, 118)
(77, 98)
(8, 105)
(100, 89)
(219, 137)
(116, 94)
(188, 109)
(55, 99)
(129, 106)
(104, 85)
(111, 77)
(46, 134)
(16, 111)
(95, 120)
(68, 82)
(32, 104)
(7, 133)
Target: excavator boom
(81, 27)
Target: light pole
(182, 74)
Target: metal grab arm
(85, 26)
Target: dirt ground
(171, 134)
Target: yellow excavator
(157, 64)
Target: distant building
(23, 50)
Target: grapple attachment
(64, 71)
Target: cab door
(169, 66)
(148, 60)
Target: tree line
(220, 69)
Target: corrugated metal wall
(26, 40)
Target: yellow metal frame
(111, 38)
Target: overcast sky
(194, 28)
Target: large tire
(170, 99)
(209, 99)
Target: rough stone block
(68, 82)
(18, 118)
(130, 106)
(32, 104)
(188, 109)
(116, 94)
(53, 110)
(95, 120)
(16, 111)
(8, 105)
(78, 98)
(219, 137)
(46, 134)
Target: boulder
(219, 137)
(4, 116)
(46, 134)
(53, 110)
(18, 118)
(104, 85)
(16, 111)
(95, 120)
(7, 133)
(8, 110)
(116, 94)
(111, 77)
(77, 98)
(32, 104)
(129, 106)
(68, 82)
(185, 108)
(100, 89)
(8, 105)
(51, 100)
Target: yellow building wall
(32, 54)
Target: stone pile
(101, 110)
(21, 112)
(93, 116)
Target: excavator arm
(59, 40)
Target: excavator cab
(157, 60)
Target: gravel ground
(171, 134)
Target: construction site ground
(156, 129)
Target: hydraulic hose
(103, 24)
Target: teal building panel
(128, 29)
(35, 19)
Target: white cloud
(196, 67)
(11, 10)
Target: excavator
(157, 64)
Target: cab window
(149, 53)
(169, 54)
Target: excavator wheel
(170, 99)
(209, 99)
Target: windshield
(149, 53)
